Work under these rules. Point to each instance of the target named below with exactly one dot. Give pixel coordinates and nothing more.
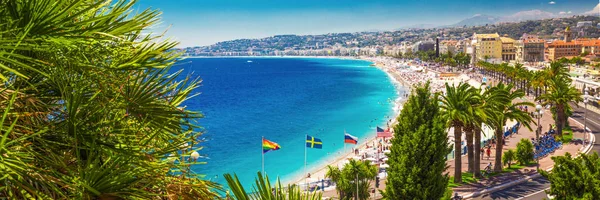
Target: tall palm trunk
(560, 119)
(499, 145)
(477, 159)
(457, 155)
(469, 137)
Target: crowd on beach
(411, 72)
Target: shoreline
(323, 57)
(320, 169)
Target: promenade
(409, 78)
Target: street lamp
(539, 112)
(585, 102)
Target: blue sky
(205, 22)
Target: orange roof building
(564, 48)
(589, 45)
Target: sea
(283, 100)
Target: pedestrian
(482, 152)
(489, 152)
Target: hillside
(547, 28)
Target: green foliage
(420, 133)
(584, 54)
(460, 59)
(524, 152)
(263, 190)
(94, 113)
(426, 55)
(346, 180)
(577, 60)
(509, 110)
(560, 94)
(457, 109)
(574, 178)
(448, 194)
(508, 157)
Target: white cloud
(594, 11)
(476, 15)
(562, 13)
(552, 3)
(569, 12)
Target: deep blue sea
(283, 99)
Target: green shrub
(508, 157)
(448, 194)
(524, 152)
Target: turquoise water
(283, 99)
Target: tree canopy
(420, 133)
(90, 108)
(574, 178)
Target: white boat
(249, 61)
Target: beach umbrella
(195, 155)
(385, 159)
(384, 166)
(387, 151)
(371, 159)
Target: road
(534, 189)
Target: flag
(313, 142)
(383, 133)
(350, 139)
(269, 146)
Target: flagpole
(305, 174)
(263, 155)
(345, 142)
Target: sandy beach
(348, 153)
(403, 73)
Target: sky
(205, 22)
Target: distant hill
(547, 28)
(528, 15)
(477, 20)
(418, 26)
(482, 20)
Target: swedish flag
(313, 142)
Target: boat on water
(249, 61)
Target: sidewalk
(511, 142)
(508, 179)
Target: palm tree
(264, 190)
(509, 110)
(485, 110)
(335, 174)
(557, 69)
(91, 110)
(456, 108)
(356, 175)
(560, 94)
(538, 81)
